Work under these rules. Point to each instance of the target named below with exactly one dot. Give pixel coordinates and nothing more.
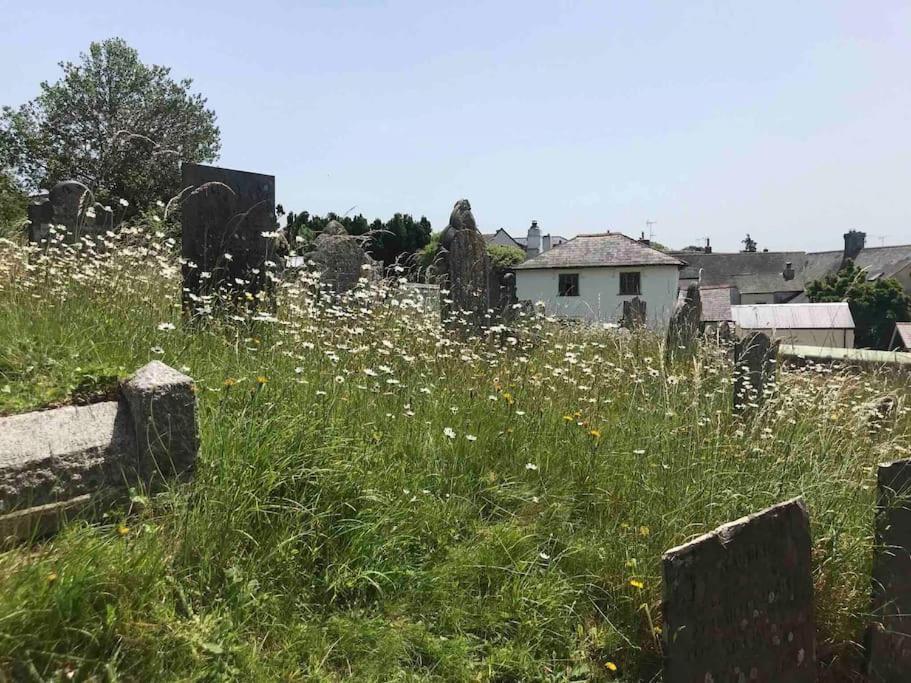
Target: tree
(875, 305)
(12, 205)
(502, 256)
(113, 123)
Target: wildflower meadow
(379, 498)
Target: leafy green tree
(390, 242)
(12, 205)
(502, 256)
(119, 126)
(875, 305)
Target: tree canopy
(875, 305)
(119, 126)
(390, 241)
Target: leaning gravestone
(738, 602)
(889, 638)
(228, 232)
(755, 356)
(634, 312)
(466, 270)
(683, 329)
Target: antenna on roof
(648, 225)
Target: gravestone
(889, 637)
(738, 602)
(465, 270)
(64, 208)
(683, 329)
(634, 313)
(229, 236)
(340, 258)
(755, 357)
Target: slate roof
(603, 249)
(903, 334)
(758, 272)
(521, 241)
(716, 303)
(793, 316)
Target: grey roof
(902, 334)
(604, 249)
(758, 272)
(793, 316)
(877, 261)
(716, 303)
(520, 241)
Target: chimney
(708, 246)
(545, 243)
(788, 272)
(644, 240)
(533, 243)
(854, 243)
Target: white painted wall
(599, 297)
(831, 337)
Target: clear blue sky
(787, 120)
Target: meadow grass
(379, 499)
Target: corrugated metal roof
(793, 316)
(606, 249)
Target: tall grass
(378, 499)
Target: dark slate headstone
(65, 208)
(755, 357)
(889, 641)
(228, 227)
(465, 268)
(634, 313)
(683, 329)
(738, 602)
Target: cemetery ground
(378, 499)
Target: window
(568, 284)
(630, 283)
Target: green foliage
(875, 305)
(12, 207)
(392, 242)
(120, 126)
(428, 253)
(502, 256)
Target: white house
(828, 324)
(591, 277)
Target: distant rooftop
(793, 316)
(599, 250)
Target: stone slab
(62, 453)
(738, 602)
(162, 406)
(889, 639)
(41, 520)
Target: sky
(786, 120)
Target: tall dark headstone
(755, 357)
(229, 227)
(634, 313)
(465, 268)
(683, 329)
(738, 602)
(889, 638)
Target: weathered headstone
(683, 329)
(755, 357)
(64, 208)
(228, 231)
(340, 258)
(634, 314)
(738, 602)
(465, 268)
(889, 638)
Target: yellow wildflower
(51, 577)
(230, 382)
(644, 531)
(123, 529)
(611, 667)
(636, 583)
(262, 379)
(595, 433)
